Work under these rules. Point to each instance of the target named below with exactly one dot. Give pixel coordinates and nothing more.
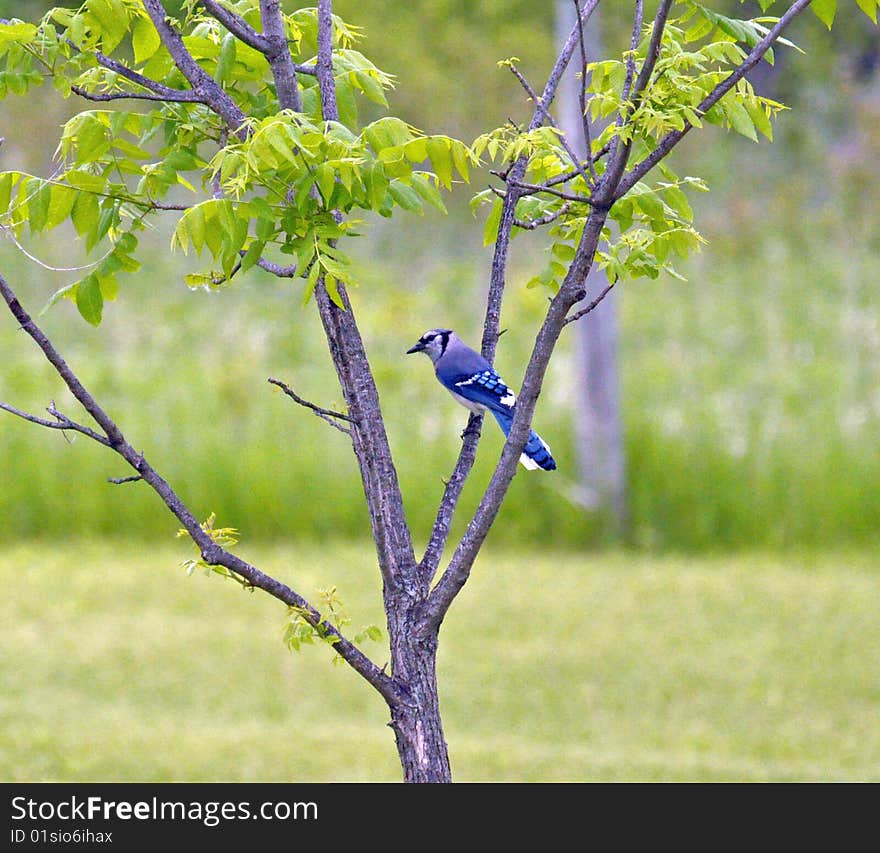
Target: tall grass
(750, 392)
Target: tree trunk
(598, 421)
(415, 720)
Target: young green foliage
(226, 537)
(653, 223)
(300, 628)
(281, 183)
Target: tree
(254, 111)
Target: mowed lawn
(597, 666)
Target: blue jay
(475, 384)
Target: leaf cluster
(301, 628)
(280, 184)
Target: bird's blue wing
(483, 388)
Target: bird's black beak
(417, 347)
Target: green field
(603, 666)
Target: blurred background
(747, 510)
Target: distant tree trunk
(598, 422)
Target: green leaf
(226, 59)
(869, 7)
(332, 289)
(61, 201)
(377, 185)
(460, 157)
(346, 103)
(113, 21)
(109, 287)
(38, 205)
(441, 159)
(490, 229)
(91, 138)
(85, 212)
(678, 201)
(825, 11)
(739, 119)
(405, 196)
(144, 39)
(7, 179)
(311, 282)
(325, 177)
(563, 251)
(650, 205)
(428, 191)
(371, 88)
(416, 150)
(85, 181)
(17, 31)
(387, 132)
(252, 255)
(89, 300)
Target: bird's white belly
(476, 408)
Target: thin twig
(61, 422)
(572, 154)
(183, 96)
(237, 25)
(621, 150)
(118, 481)
(584, 311)
(326, 414)
(582, 92)
(531, 189)
(638, 17)
(546, 219)
(276, 269)
(11, 235)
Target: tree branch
(181, 97)
(532, 189)
(118, 481)
(582, 96)
(278, 54)
(451, 493)
(326, 414)
(492, 323)
(516, 174)
(237, 25)
(211, 552)
(668, 142)
(61, 422)
(164, 93)
(546, 219)
(210, 92)
(288, 271)
(571, 291)
(369, 440)
(324, 63)
(620, 150)
(594, 304)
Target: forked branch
(212, 553)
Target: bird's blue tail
(536, 453)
